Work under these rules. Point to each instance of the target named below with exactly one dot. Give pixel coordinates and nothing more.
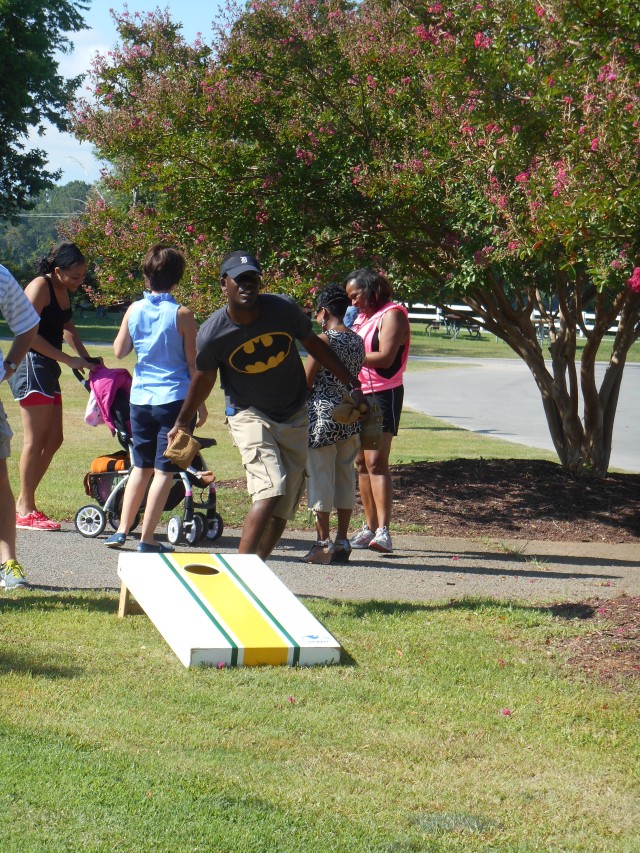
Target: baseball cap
(237, 263)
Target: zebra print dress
(327, 391)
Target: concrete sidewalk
(420, 569)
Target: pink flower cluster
(633, 283)
(482, 42)
(481, 257)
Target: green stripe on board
(229, 639)
(265, 610)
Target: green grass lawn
(61, 492)
(448, 727)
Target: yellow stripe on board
(262, 643)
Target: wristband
(10, 365)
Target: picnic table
(455, 323)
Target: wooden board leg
(123, 604)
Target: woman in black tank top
(36, 385)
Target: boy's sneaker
(36, 520)
(363, 538)
(341, 551)
(381, 541)
(321, 553)
(12, 576)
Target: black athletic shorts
(391, 404)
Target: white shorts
(332, 478)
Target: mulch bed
(515, 499)
(611, 651)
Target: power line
(48, 215)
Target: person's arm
(187, 327)
(123, 344)
(312, 365)
(393, 333)
(202, 383)
(323, 353)
(72, 338)
(19, 348)
(37, 292)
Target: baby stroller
(106, 480)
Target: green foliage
(33, 233)
(31, 91)
(438, 142)
(484, 152)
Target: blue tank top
(162, 373)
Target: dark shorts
(149, 428)
(36, 382)
(391, 405)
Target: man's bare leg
(271, 536)
(255, 525)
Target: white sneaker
(363, 538)
(381, 541)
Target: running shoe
(320, 553)
(36, 520)
(12, 576)
(381, 541)
(363, 538)
(341, 551)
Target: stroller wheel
(215, 526)
(175, 529)
(195, 530)
(114, 520)
(90, 521)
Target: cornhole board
(215, 609)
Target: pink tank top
(369, 330)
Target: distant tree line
(32, 233)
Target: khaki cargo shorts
(274, 456)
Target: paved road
(420, 569)
(498, 397)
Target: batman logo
(262, 353)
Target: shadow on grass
(15, 661)
(45, 601)
(363, 609)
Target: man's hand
(203, 414)
(178, 427)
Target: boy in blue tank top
(163, 336)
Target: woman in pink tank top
(384, 327)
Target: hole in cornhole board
(199, 569)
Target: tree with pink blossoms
(480, 152)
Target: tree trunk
(583, 444)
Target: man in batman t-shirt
(251, 342)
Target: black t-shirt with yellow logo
(259, 363)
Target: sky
(64, 152)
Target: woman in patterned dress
(332, 446)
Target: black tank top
(53, 319)
(387, 372)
